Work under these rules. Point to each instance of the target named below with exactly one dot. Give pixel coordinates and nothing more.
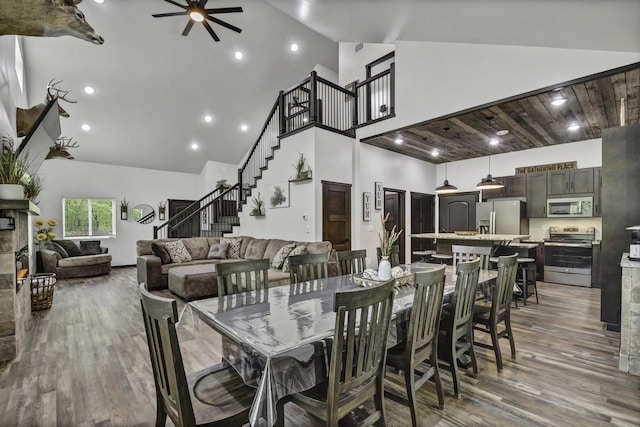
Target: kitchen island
(445, 240)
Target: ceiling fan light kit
(197, 12)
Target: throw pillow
(299, 250)
(218, 251)
(281, 255)
(90, 247)
(69, 246)
(177, 251)
(161, 252)
(234, 246)
(57, 248)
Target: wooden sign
(547, 168)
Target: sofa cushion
(213, 240)
(234, 246)
(298, 250)
(53, 246)
(161, 252)
(143, 247)
(274, 247)
(69, 246)
(165, 268)
(218, 251)
(90, 247)
(198, 247)
(281, 256)
(84, 260)
(256, 248)
(245, 242)
(178, 251)
(318, 247)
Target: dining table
(279, 339)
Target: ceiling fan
(197, 12)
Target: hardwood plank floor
(86, 363)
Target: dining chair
(358, 352)
(469, 253)
(487, 318)
(394, 258)
(350, 262)
(242, 276)
(215, 396)
(308, 267)
(421, 345)
(456, 328)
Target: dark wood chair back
(160, 317)
(242, 276)
(464, 297)
(308, 267)
(503, 291)
(350, 262)
(394, 257)
(462, 253)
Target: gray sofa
(156, 275)
(69, 263)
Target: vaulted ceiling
(154, 86)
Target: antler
(54, 92)
(64, 142)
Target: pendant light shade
(446, 188)
(489, 183)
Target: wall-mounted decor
(366, 206)
(303, 171)
(257, 206)
(279, 195)
(379, 195)
(162, 209)
(27, 117)
(60, 148)
(547, 168)
(124, 209)
(143, 214)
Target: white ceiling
(154, 86)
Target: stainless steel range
(568, 255)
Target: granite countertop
(453, 236)
(523, 245)
(625, 262)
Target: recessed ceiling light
(194, 146)
(573, 127)
(494, 142)
(238, 55)
(196, 16)
(435, 153)
(85, 127)
(558, 101)
(294, 47)
(398, 140)
(502, 132)
(89, 90)
(99, 1)
(208, 118)
(244, 128)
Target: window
(88, 217)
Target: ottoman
(194, 281)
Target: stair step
(234, 220)
(216, 226)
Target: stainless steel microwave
(570, 207)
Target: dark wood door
(394, 205)
(537, 195)
(582, 180)
(189, 228)
(457, 212)
(336, 215)
(422, 221)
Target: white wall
(11, 95)
(351, 63)
(71, 178)
(215, 171)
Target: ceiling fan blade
(176, 4)
(210, 30)
(162, 15)
(188, 27)
(224, 24)
(224, 10)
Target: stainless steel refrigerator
(503, 216)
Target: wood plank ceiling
(592, 102)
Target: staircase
(314, 102)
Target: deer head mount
(60, 147)
(46, 18)
(26, 117)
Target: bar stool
(424, 255)
(442, 258)
(527, 267)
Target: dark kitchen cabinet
(537, 195)
(514, 186)
(596, 275)
(495, 193)
(570, 181)
(597, 191)
(457, 212)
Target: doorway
(394, 206)
(422, 221)
(189, 228)
(336, 215)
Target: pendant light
(446, 188)
(489, 183)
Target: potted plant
(299, 165)
(387, 239)
(13, 171)
(32, 188)
(257, 205)
(44, 231)
(222, 183)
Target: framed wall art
(366, 206)
(379, 195)
(279, 195)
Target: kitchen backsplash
(539, 227)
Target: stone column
(630, 322)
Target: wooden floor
(86, 363)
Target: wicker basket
(42, 286)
